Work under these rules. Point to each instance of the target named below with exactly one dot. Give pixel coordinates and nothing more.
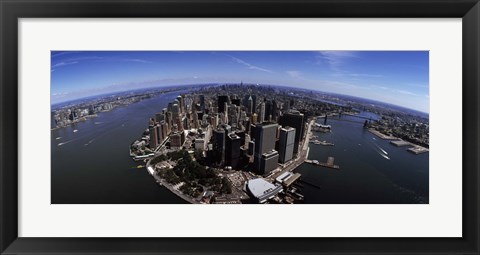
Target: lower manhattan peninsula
(239, 127)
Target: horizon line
(234, 83)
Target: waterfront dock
(324, 143)
(417, 150)
(383, 136)
(329, 163)
(400, 143)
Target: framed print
(239, 127)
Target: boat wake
(381, 151)
(89, 142)
(60, 144)
(385, 156)
(380, 148)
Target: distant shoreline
(82, 119)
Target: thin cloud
(248, 65)
(335, 58)
(134, 60)
(57, 54)
(109, 59)
(379, 87)
(336, 61)
(417, 85)
(294, 74)
(72, 61)
(405, 92)
(59, 64)
(85, 58)
(365, 75)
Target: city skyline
(395, 77)
(240, 144)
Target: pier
(417, 150)
(329, 163)
(400, 143)
(324, 143)
(382, 136)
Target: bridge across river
(347, 120)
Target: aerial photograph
(239, 127)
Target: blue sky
(396, 77)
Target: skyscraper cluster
(231, 131)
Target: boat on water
(58, 138)
(385, 156)
(75, 131)
(381, 149)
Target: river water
(365, 176)
(92, 166)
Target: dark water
(364, 176)
(93, 166)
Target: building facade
(286, 144)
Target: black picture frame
(11, 11)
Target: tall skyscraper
(286, 144)
(195, 119)
(250, 102)
(225, 112)
(201, 98)
(177, 139)
(219, 145)
(268, 162)
(241, 134)
(250, 105)
(235, 101)
(264, 136)
(232, 150)
(153, 137)
(251, 148)
(165, 129)
(221, 103)
(262, 112)
(169, 117)
(181, 104)
(176, 110)
(268, 110)
(160, 137)
(159, 116)
(274, 110)
(296, 120)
